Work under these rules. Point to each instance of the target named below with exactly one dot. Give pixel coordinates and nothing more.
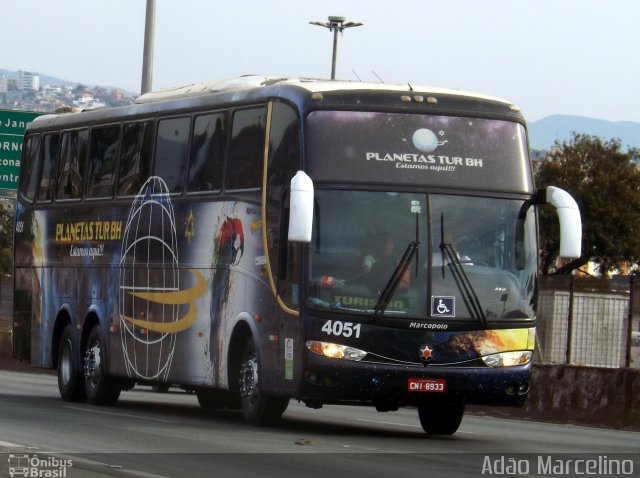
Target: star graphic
(190, 223)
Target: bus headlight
(335, 351)
(508, 359)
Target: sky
(577, 57)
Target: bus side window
(246, 151)
(31, 166)
(51, 152)
(71, 179)
(206, 158)
(172, 145)
(135, 157)
(283, 162)
(103, 157)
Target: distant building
(25, 92)
(28, 81)
(48, 90)
(87, 101)
(13, 97)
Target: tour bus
(264, 239)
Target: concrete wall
(589, 396)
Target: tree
(6, 239)
(605, 183)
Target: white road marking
(11, 445)
(388, 423)
(126, 415)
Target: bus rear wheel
(70, 382)
(101, 389)
(440, 419)
(258, 408)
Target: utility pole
(335, 25)
(147, 55)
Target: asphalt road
(166, 435)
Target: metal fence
(588, 321)
(6, 298)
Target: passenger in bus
(378, 267)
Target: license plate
(430, 385)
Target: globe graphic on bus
(148, 278)
(425, 140)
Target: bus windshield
(466, 258)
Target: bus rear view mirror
(570, 221)
(301, 208)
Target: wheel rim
(92, 367)
(65, 362)
(249, 380)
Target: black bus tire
(101, 389)
(439, 419)
(70, 381)
(258, 408)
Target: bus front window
(359, 239)
(422, 256)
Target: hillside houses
(26, 93)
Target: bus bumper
(391, 386)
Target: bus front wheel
(101, 389)
(258, 408)
(440, 419)
(70, 381)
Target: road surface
(168, 435)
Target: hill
(546, 131)
(53, 81)
(44, 79)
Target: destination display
(390, 148)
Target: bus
(264, 239)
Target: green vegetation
(6, 237)
(605, 182)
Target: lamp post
(147, 54)
(336, 24)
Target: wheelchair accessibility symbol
(443, 306)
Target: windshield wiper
(394, 280)
(463, 282)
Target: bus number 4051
(343, 329)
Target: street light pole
(335, 53)
(336, 24)
(147, 55)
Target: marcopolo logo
(35, 466)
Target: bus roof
(247, 89)
(310, 84)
